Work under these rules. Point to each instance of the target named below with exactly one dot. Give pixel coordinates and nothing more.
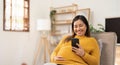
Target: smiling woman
(87, 52)
(16, 15)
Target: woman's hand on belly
(59, 58)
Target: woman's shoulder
(91, 38)
(92, 41)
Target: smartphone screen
(75, 41)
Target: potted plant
(52, 17)
(94, 30)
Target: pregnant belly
(65, 52)
(69, 56)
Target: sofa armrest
(109, 40)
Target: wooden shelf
(57, 34)
(62, 22)
(63, 17)
(59, 23)
(66, 13)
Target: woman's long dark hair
(79, 17)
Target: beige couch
(109, 40)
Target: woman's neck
(77, 36)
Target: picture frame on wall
(85, 12)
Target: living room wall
(19, 47)
(100, 9)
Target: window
(16, 15)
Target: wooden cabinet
(63, 19)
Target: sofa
(107, 42)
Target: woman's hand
(59, 58)
(79, 51)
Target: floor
(117, 59)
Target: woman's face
(79, 28)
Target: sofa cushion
(100, 45)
